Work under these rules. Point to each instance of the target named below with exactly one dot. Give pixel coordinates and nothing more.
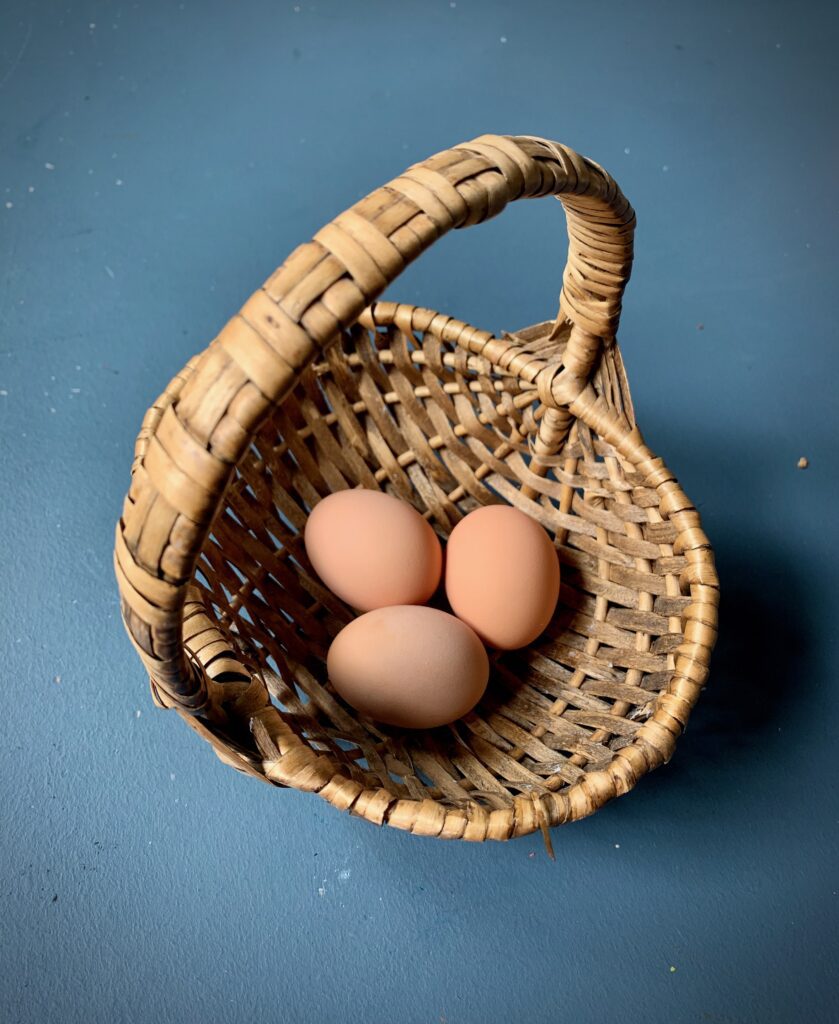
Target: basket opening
(448, 431)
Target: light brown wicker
(313, 387)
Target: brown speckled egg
(373, 550)
(502, 576)
(409, 666)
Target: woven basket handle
(193, 439)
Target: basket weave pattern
(315, 387)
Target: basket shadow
(747, 709)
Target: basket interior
(446, 430)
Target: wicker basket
(313, 387)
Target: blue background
(157, 161)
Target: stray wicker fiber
(314, 387)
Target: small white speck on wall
(92, 26)
(503, 39)
(49, 166)
(344, 874)
(31, 188)
(109, 272)
(617, 846)
(137, 713)
(665, 167)
(118, 181)
(3, 392)
(672, 969)
(626, 150)
(56, 679)
(171, 776)
(9, 204)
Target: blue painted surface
(157, 161)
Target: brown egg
(409, 666)
(502, 575)
(373, 550)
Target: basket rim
(287, 761)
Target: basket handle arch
(195, 434)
